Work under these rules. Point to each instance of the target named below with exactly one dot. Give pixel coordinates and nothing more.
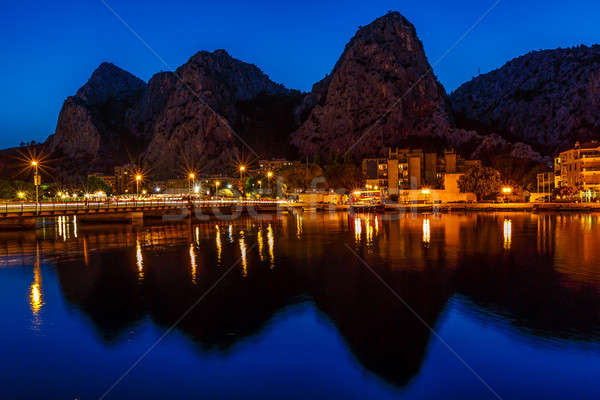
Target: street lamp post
(242, 169)
(36, 180)
(269, 176)
(138, 178)
(191, 177)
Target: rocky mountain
(382, 87)
(382, 92)
(92, 125)
(208, 111)
(548, 99)
(204, 114)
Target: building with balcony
(406, 169)
(579, 167)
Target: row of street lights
(138, 180)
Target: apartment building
(579, 167)
(412, 169)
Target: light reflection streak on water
(270, 243)
(62, 225)
(507, 234)
(426, 231)
(357, 229)
(75, 225)
(298, 225)
(139, 258)
(193, 263)
(230, 233)
(368, 231)
(259, 239)
(35, 291)
(218, 242)
(86, 259)
(59, 226)
(197, 233)
(243, 253)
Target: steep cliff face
(91, 125)
(204, 114)
(383, 68)
(208, 111)
(548, 99)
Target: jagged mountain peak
(108, 82)
(383, 68)
(222, 78)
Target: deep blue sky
(49, 49)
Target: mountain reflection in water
(537, 276)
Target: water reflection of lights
(368, 231)
(357, 229)
(193, 263)
(86, 259)
(426, 231)
(62, 227)
(139, 258)
(376, 225)
(230, 233)
(507, 233)
(298, 225)
(197, 234)
(243, 252)
(35, 298)
(259, 239)
(218, 242)
(35, 292)
(270, 243)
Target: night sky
(49, 49)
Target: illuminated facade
(579, 167)
(412, 169)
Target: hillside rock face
(548, 99)
(197, 115)
(383, 68)
(91, 125)
(205, 113)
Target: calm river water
(485, 306)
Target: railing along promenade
(9, 209)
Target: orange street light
(36, 179)
(191, 178)
(138, 178)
